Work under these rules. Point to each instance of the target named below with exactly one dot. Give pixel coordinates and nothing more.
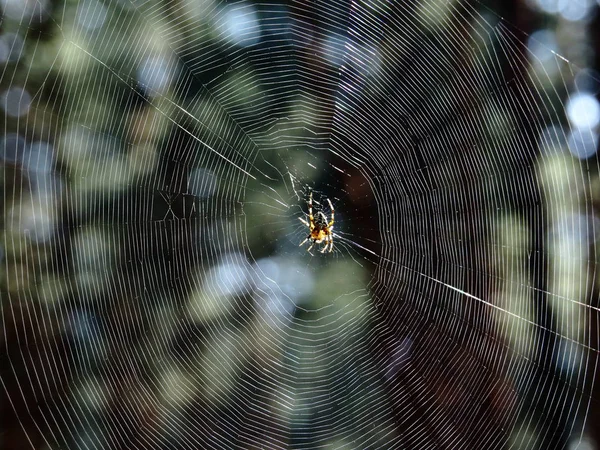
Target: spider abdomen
(318, 235)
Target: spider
(320, 230)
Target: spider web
(154, 292)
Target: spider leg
(327, 243)
(330, 243)
(304, 222)
(332, 212)
(325, 246)
(304, 241)
(311, 246)
(310, 214)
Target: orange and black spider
(320, 229)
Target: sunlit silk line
(342, 238)
(587, 347)
(166, 116)
(530, 322)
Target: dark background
(157, 157)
